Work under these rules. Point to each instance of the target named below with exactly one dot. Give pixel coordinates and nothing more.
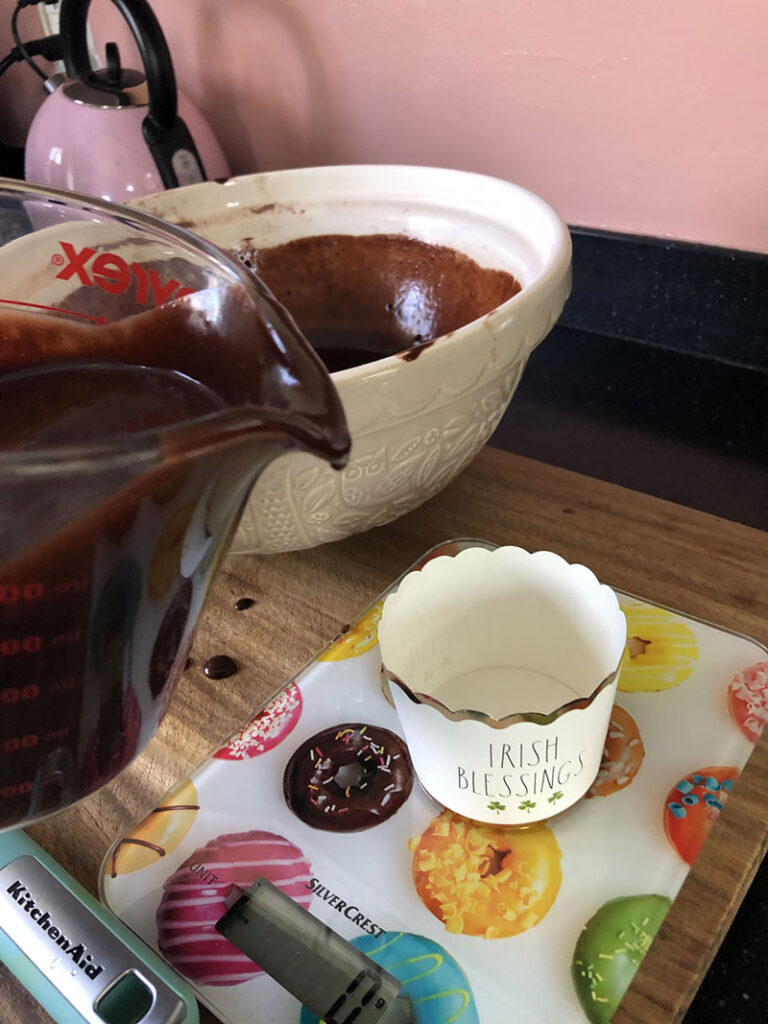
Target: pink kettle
(118, 133)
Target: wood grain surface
(706, 567)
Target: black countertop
(687, 428)
(680, 414)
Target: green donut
(609, 950)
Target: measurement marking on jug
(73, 637)
(12, 694)
(77, 586)
(34, 590)
(59, 310)
(24, 645)
(12, 593)
(61, 686)
(57, 734)
(10, 746)
(21, 789)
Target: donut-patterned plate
(548, 924)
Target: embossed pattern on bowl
(415, 424)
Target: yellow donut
(356, 639)
(661, 650)
(482, 880)
(160, 832)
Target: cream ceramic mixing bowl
(418, 417)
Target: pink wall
(644, 116)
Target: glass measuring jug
(145, 381)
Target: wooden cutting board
(706, 567)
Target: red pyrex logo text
(115, 276)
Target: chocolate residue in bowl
(358, 298)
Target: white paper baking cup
(503, 667)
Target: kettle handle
(166, 134)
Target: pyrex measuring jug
(145, 381)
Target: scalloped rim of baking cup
(467, 714)
(525, 644)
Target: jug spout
(295, 379)
(275, 390)
(265, 432)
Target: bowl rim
(553, 275)
(460, 572)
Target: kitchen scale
(85, 967)
(580, 897)
(80, 963)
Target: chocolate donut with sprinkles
(348, 778)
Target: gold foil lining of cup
(468, 715)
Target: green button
(127, 1000)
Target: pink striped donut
(194, 899)
(748, 700)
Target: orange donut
(692, 807)
(622, 756)
(482, 880)
(449, 548)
